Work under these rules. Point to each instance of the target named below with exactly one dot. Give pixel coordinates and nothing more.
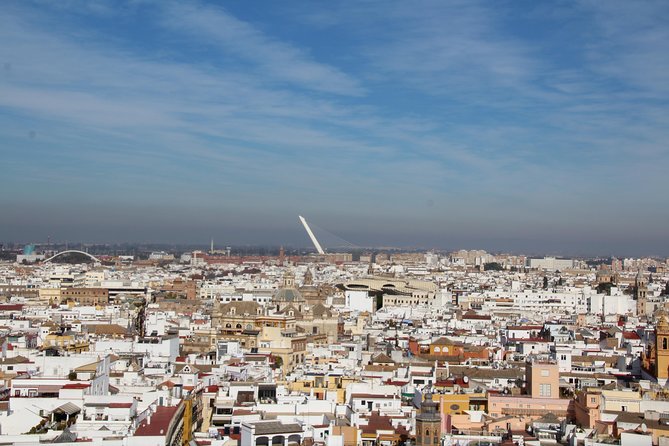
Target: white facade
(360, 300)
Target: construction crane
(311, 235)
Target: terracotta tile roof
(160, 422)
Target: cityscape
(219, 347)
(354, 223)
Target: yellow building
(65, 342)
(662, 350)
(51, 295)
(288, 345)
(321, 385)
(457, 403)
(620, 401)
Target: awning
(67, 408)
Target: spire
(308, 277)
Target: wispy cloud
(281, 61)
(443, 103)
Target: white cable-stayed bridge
(324, 240)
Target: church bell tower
(428, 423)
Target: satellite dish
(465, 379)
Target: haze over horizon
(515, 126)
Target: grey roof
(276, 427)
(287, 295)
(241, 308)
(67, 408)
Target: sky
(521, 126)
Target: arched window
(239, 326)
(664, 343)
(427, 432)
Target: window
(545, 390)
(545, 372)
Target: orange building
(543, 395)
(586, 407)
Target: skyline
(520, 127)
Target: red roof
(450, 382)
(76, 386)
(631, 335)
(396, 383)
(476, 317)
(525, 327)
(120, 405)
(160, 421)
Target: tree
(545, 283)
(492, 266)
(604, 288)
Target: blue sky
(512, 125)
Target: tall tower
(308, 278)
(428, 423)
(662, 349)
(289, 279)
(641, 293)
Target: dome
(287, 295)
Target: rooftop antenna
(311, 235)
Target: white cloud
(276, 59)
